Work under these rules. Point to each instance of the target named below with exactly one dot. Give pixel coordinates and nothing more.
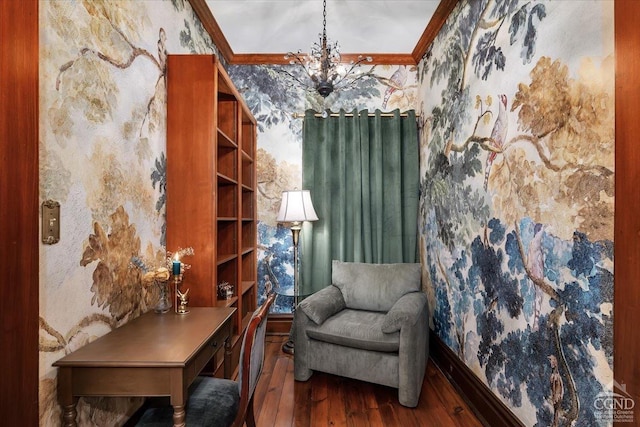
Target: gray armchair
(370, 324)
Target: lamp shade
(296, 206)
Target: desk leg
(178, 397)
(65, 397)
(69, 415)
(178, 416)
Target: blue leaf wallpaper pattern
(516, 212)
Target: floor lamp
(296, 207)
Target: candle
(176, 267)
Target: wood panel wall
(627, 204)
(19, 212)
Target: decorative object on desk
(225, 290)
(158, 277)
(323, 68)
(183, 300)
(161, 279)
(177, 270)
(295, 208)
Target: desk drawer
(214, 345)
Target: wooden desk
(153, 355)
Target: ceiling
(360, 26)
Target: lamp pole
(296, 207)
(295, 236)
(296, 226)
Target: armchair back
(374, 287)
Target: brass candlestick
(178, 268)
(181, 298)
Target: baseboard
(489, 409)
(279, 324)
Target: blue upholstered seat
(213, 402)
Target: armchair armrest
(323, 304)
(405, 312)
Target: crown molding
(211, 25)
(438, 19)
(435, 24)
(278, 58)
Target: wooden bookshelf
(211, 185)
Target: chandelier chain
(324, 19)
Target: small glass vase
(164, 303)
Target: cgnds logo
(614, 407)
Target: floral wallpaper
(517, 184)
(273, 100)
(102, 156)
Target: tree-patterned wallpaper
(516, 122)
(102, 156)
(517, 183)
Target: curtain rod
(301, 115)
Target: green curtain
(363, 174)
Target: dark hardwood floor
(328, 400)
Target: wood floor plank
(319, 402)
(287, 400)
(387, 414)
(271, 350)
(337, 412)
(430, 408)
(450, 400)
(269, 408)
(392, 412)
(374, 417)
(355, 407)
(301, 416)
(302, 408)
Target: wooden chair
(216, 402)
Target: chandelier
(324, 71)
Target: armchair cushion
(404, 312)
(323, 304)
(356, 329)
(374, 287)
